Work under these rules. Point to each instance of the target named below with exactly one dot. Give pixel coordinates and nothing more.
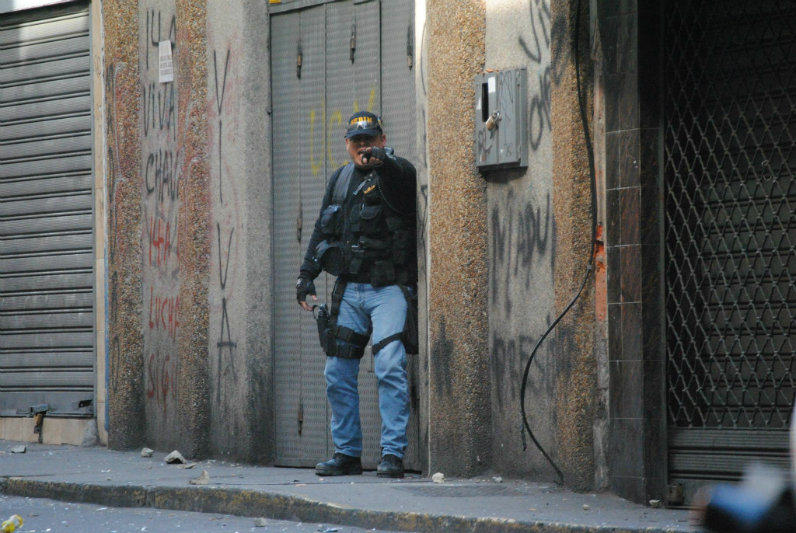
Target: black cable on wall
(590, 261)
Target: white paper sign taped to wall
(165, 64)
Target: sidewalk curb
(279, 506)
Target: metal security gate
(328, 59)
(46, 212)
(730, 231)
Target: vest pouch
(400, 247)
(329, 220)
(395, 224)
(382, 273)
(330, 257)
(370, 216)
(356, 256)
(400, 239)
(375, 248)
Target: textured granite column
(193, 228)
(125, 340)
(459, 402)
(165, 401)
(576, 366)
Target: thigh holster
(338, 341)
(409, 335)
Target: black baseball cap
(363, 123)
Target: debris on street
(175, 457)
(439, 477)
(203, 479)
(147, 452)
(12, 524)
(19, 449)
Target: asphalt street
(50, 516)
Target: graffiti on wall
(155, 31)
(544, 34)
(523, 242)
(225, 367)
(161, 164)
(219, 101)
(521, 237)
(534, 48)
(333, 121)
(509, 356)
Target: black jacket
(396, 178)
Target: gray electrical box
(501, 137)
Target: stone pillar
(125, 345)
(158, 235)
(193, 228)
(459, 410)
(576, 367)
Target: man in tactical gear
(365, 235)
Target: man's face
(357, 146)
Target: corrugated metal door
(342, 51)
(730, 157)
(312, 185)
(46, 212)
(288, 341)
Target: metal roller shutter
(730, 232)
(46, 212)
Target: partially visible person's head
(364, 131)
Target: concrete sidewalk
(125, 479)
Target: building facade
(163, 162)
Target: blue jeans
(385, 309)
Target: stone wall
(239, 341)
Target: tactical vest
(364, 238)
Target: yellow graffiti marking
(335, 117)
(334, 125)
(372, 99)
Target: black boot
(339, 465)
(390, 466)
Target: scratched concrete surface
(414, 502)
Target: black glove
(304, 287)
(375, 153)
